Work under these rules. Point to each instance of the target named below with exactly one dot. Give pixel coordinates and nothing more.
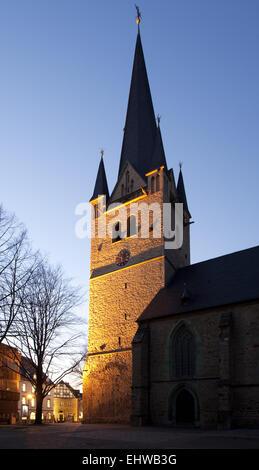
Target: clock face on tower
(123, 257)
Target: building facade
(27, 399)
(196, 351)
(169, 342)
(9, 384)
(67, 403)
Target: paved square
(111, 436)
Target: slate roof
(140, 128)
(181, 191)
(225, 280)
(101, 186)
(158, 158)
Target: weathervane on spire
(102, 152)
(138, 14)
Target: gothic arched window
(127, 182)
(183, 345)
(95, 211)
(116, 235)
(131, 226)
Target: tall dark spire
(101, 186)
(140, 127)
(181, 191)
(158, 157)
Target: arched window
(183, 353)
(152, 184)
(157, 182)
(127, 182)
(116, 235)
(131, 226)
(95, 211)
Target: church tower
(129, 267)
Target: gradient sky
(64, 84)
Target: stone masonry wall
(243, 380)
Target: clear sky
(64, 84)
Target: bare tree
(16, 267)
(78, 370)
(48, 336)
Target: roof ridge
(221, 256)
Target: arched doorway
(185, 408)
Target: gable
(128, 182)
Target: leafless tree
(48, 330)
(16, 266)
(78, 371)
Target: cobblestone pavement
(101, 436)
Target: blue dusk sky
(64, 83)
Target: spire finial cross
(180, 165)
(138, 14)
(102, 152)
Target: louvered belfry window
(184, 353)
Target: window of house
(24, 400)
(33, 402)
(32, 416)
(24, 387)
(184, 352)
(32, 389)
(48, 403)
